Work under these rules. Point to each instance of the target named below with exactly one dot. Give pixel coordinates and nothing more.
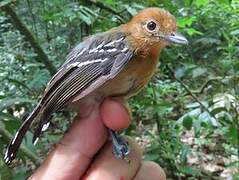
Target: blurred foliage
(195, 90)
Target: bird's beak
(176, 38)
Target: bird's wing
(94, 61)
(97, 59)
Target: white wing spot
(83, 50)
(11, 155)
(119, 39)
(7, 160)
(80, 64)
(45, 126)
(73, 64)
(112, 50)
(111, 43)
(35, 142)
(124, 50)
(101, 45)
(91, 62)
(96, 49)
(93, 50)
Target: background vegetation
(186, 118)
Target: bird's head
(155, 27)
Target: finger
(73, 153)
(150, 170)
(114, 116)
(84, 138)
(107, 166)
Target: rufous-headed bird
(117, 63)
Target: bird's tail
(14, 144)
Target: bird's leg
(121, 148)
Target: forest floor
(207, 157)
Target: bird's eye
(151, 25)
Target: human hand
(85, 153)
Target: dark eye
(151, 26)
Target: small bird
(117, 63)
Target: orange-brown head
(154, 27)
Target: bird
(116, 63)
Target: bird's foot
(121, 148)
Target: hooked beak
(177, 39)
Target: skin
(91, 157)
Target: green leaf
(193, 105)
(190, 170)
(12, 125)
(192, 31)
(217, 110)
(39, 79)
(5, 171)
(235, 32)
(110, 2)
(186, 21)
(201, 3)
(188, 3)
(21, 173)
(184, 152)
(233, 134)
(85, 18)
(48, 16)
(151, 157)
(188, 122)
(224, 1)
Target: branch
(30, 38)
(188, 91)
(23, 149)
(107, 8)
(206, 84)
(215, 79)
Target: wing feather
(103, 61)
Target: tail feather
(42, 126)
(15, 143)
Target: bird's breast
(131, 80)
